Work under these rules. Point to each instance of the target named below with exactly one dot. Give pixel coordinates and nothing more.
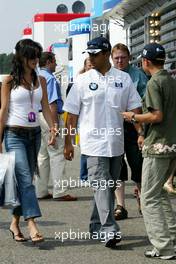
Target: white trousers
(51, 162)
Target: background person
(51, 160)
(159, 152)
(83, 160)
(22, 94)
(121, 56)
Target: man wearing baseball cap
(159, 152)
(98, 44)
(98, 97)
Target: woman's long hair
(25, 48)
(87, 60)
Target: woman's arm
(5, 97)
(47, 112)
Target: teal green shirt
(139, 79)
(160, 95)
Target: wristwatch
(133, 119)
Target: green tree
(6, 63)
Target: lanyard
(31, 95)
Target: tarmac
(65, 224)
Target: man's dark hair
(158, 62)
(45, 56)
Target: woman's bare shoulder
(8, 79)
(7, 83)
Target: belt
(61, 113)
(21, 129)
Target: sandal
(135, 193)
(120, 213)
(19, 235)
(169, 188)
(37, 238)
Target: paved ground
(74, 217)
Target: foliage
(5, 63)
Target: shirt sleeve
(134, 99)
(53, 90)
(153, 98)
(73, 101)
(141, 88)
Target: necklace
(29, 84)
(31, 114)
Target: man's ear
(146, 61)
(108, 54)
(48, 62)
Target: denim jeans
(83, 168)
(25, 143)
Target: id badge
(31, 117)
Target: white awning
(132, 10)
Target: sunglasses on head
(37, 55)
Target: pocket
(96, 97)
(92, 166)
(114, 98)
(92, 161)
(9, 136)
(9, 133)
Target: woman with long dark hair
(22, 94)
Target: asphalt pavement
(65, 227)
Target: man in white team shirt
(97, 98)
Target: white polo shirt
(98, 100)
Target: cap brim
(92, 51)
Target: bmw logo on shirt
(93, 86)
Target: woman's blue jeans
(25, 143)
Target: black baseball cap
(154, 51)
(98, 44)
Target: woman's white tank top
(20, 106)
